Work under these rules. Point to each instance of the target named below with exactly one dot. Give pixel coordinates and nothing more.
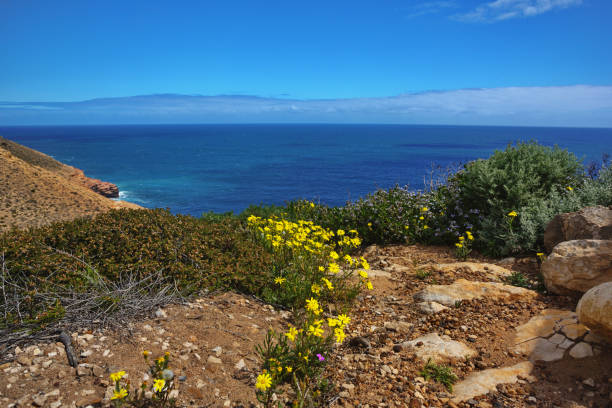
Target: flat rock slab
(438, 348)
(550, 334)
(430, 307)
(483, 382)
(463, 289)
(491, 271)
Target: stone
(483, 382)
(399, 327)
(39, 400)
(581, 350)
(83, 370)
(577, 266)
(217, 350)
(55, 404)
(595, 310)
(542, 338)
(588, 223)
(240, 365)
(214, 360)
(438, 348)
(589, 382)
(161, 314)
(491, 271)
(463, 289)
(431, 307)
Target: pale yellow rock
(577, 266)
(574, 330)
(483, 382)
(544, 324)
(493, 272)
(595, 310)
(463, 289)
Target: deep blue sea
(193, 169)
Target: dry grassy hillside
(37, 190)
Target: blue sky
(61, 51)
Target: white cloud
(500, 10)
(430, 7)
(579, 105)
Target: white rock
(217, 350)
(581, 350)
(463, 289)
(161, 314)
(214, 360)
(430, 307)
(438, 348)
(240, 365)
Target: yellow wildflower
(158, 385)
(569, 188)
(312, 205)
(313, 305)
(369, 285)
(348, 259)
(363, 274)
(315, 330)
(369, 225)
(364, 264)
(540, 254)
(344, 320)
(321, 269)
(424, 209)
(425, 227)
(292, 333)
(289, 369)
(264, 381)
(340, 232)
(121, 394)
(340, 336)
(461, 238)
(316, 289)
(146, 353)
(512, 214)
(328, 283)
(117, 376)
(279, 280)
(331, 322)
(334, 267)
(334, 255)
(459, 245)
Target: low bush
(190, 253)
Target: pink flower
(321, 358)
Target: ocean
(192, 169)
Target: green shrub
(510, 179)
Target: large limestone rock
(595, 310)
(438, 348)
(463, 289)
(588, 223)
(577, 266)
(483, 382)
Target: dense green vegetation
(534, 181)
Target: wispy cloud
(430, 7)
(580, 106)
(500, 10)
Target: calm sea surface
(197, 168)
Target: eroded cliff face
(103, 188)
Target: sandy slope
(37, 190)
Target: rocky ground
(508, 346)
